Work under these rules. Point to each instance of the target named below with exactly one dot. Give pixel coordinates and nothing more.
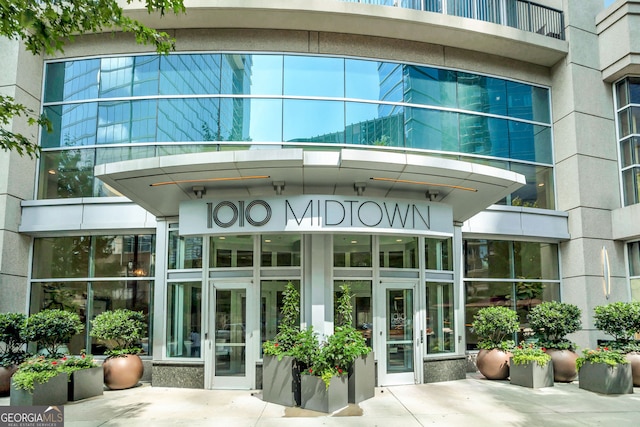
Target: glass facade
(627, 94)
(92, 274)
(634, 269)
(519, 275)
(131, 107)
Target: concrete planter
(86, 383)
(362, 379)
(606, 379)
(318, 397)
(52, 393)
(280, 381)
(531, 374)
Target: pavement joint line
(404, 406)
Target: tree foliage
(45, 26)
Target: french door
(398, 354)
(229, 361)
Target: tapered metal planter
(362, 379)
(318, 397)
(606, 379)
(51, 393)
(531, 374)
(86, 383)
(280, 381)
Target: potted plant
(52, 330)
(605, 370)
(495, 327)
(38, 381)
(551, 322)
(530, 367)
(325, 387)
(12, 351)
(121, 330)
(86, 378)
(358, 356)
(622, 321)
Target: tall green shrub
(552, 321)
(620, 320)
(52, 329)
(12, 339)
(495, 327)
(121, 330)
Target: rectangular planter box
(52, 393)
(606, 379)
(362, 379)
(86, 383)
(317, 397)
(531, 374)
(280, 381)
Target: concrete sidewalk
(473, 402)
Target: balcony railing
(521, 14)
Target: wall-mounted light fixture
(432, 195)
(359, 187)
(199, 191)
(278, 186)
(606, 273)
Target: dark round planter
(5, 379)
(564, 365)
(123, 371)
(634, 361)
(493, 364)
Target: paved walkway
(473, 402)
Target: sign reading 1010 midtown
(312, 214)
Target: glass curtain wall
(518, 275)
(119, 108)
(92, 274)
(628, 111)
(634, 269)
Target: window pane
(72, 125)
(362, 306)
(398, 252)
(484, 135)
(529, 142)
(373, 80)
(630, 151)
(529, 295)
(314, 76)
(184, 252)
(61, 257)
(440, 331)
(634, 90)
(126, 121)
(64, 296)
(628, 120)
(185, 120)
(271, 306)
(71, 80)
(189, 74)
(352, 250)
(116, 76)
(301, 122)
(621, 91)
(253, 119)
(430, 86)
(634, 258)
(282, 250)
(432, 130)
(231, 251)
(487, 258)
(630, 185)
(124, 256)
(482, 94)
(266, 74)
(483, 294)
(133, 295)
(372, 124)
(145, 75)
(184, 319)
(65, 174)
(538, 192)
(438, 255)
(528, 102)
(536, 260)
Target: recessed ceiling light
(398, 240)
(267, 240)
(354, 241)
(222, 238)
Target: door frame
(384, 378)
(248, 381)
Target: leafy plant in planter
(121, 330)
(605, 370)
(622, 321)
(39, 381)
(289, 327)
(37, 369)
(52, 329)
(551, 322)
(85, 376)
(495, 327)
(12, 343)
(530, 367)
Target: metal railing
(522, 14)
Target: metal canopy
(160, 184)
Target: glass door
(228, 362)
(398, 345)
